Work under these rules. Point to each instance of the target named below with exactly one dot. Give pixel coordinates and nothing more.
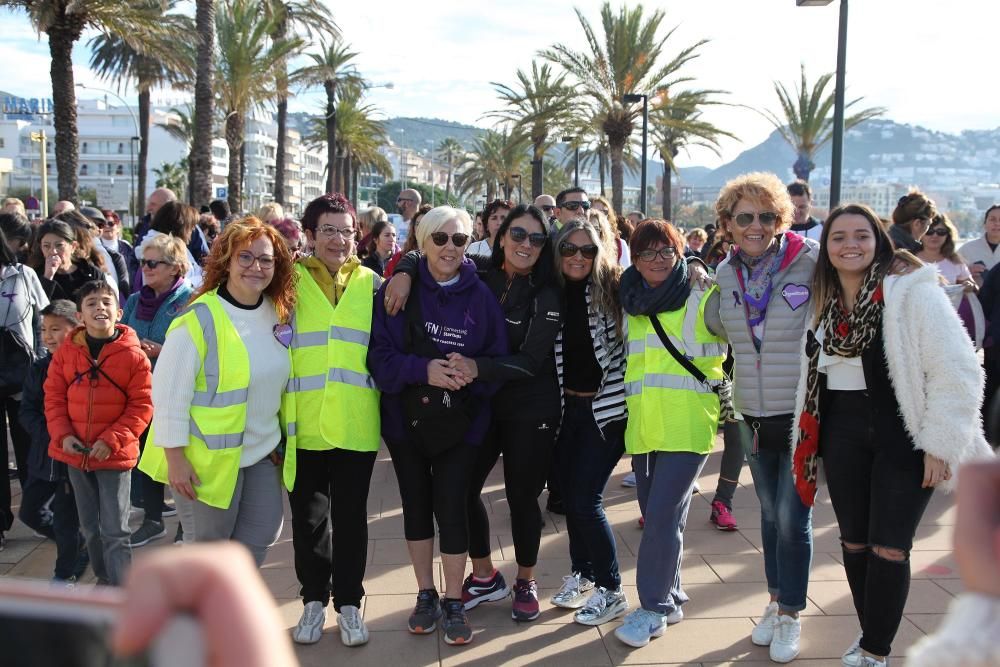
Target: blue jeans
(585, 458)
(785, 522)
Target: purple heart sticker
(283, 334)
(795, 295)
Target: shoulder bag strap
(675, 353)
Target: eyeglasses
(666, 252)
(767, 218)
(441, 238)
(548, 209)
(567, 249)
(519, 234)
(153, 263)
(400, 200)
(940, 231)
(576, 205)
(246, 259)
(330, 231)
(104, 224)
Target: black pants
(146, 491)
(65, 527)
(874, 476)
(526, 446)
(434, 488)
(330, 524)
(9, 409)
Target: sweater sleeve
(408, 264)
(138, 406)
(391, 368)
(173, 389)
(56, 402)
(538, 345)
(713, 318)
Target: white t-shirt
(480, 248)
(953, 272)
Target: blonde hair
(698, 232)
(605, 273)
(171, 249)
(605, 232)
(270, 212)
(760, 187)
(368, 217)
(16, 203)
(436, 218)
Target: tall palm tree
(541, 104)
(183, 129)
(172, 175)
(448, 150)
(806, 120)
(200, 155)
(307, 18)
(677, 125)
(247, 58)
(495, 157)
(628, 58)
(163, 60)
(64, 21)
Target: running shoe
(640, 626)
(852, 656)
(629, 481)
(602, 606)
(763, 632)
(722, 516)
(352, 627)
(457, 630)
(476, 591)
(148, 531)
(573, 593)
(785, 644)
(310, 626)
(425, 614)
(525, 606)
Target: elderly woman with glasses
(435, 416)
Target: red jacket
(110, 400)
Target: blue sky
(931, 63)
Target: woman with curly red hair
(217, 390)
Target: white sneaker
(573, 593)
(675, 617)
(310, 627)
(763, 632)
(629, 481)
(852, 656)
(602, 606)
(352, 627)
(785, 644)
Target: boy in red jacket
(97, 403)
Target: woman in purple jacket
(450, 310)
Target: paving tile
(834, 598)
(927, 623)
(728, 600)
(383, 648)
(953, 586)
(691, 641)
(750, 568)
(570, 644)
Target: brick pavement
(723, 573)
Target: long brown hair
(237, 235)
(948, 247)
(826, 281)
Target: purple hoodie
(464, 317)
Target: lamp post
(632, 98)
(402, 166)
(131, 204)
(576, 160)
(837, 149)
(40, 137)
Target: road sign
(113, 194)
(221, 193)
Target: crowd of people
(229, 356)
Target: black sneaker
(457, 630)
(179, 535)
(148, 531)
(424, 618)
(168, 510)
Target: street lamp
(632, 98)
(837, 150)
(131, 204)
(576, 160)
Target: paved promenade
(723, 574)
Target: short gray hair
(171, 249)
(436, 218)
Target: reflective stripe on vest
(666, 381)
(212, 397)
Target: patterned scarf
(761, 270)
(844, 335)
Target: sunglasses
(441, 238)
(519, 234)
(153, 263)
(548, 209)
(766, 218)
(103, 225)
(402, 199)
(667, 252)
(940, 231)
(576, 205)
(567, 249)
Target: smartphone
(42, 625)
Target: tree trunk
(447, 187)
(617, 150)
(200, 160)
(234, 139)
(281, 77)
(667, 194)
(331, 135)
(537, 174)
(144, 105)
(600, 168)
(61, 41)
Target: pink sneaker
(642, 522)
(722, 516)
(525, 606)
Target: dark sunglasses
(153, 263)
(441, 238)
(567, 249)
(576, 205)
(519, 234)
(746, 219)
(103, 224)
(402, 199)
(666, 252)
(548, 209)
(940, 231)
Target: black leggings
(527, 447)
(434, 488)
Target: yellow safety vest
(218, 408)
(668, 410)
(330, 386)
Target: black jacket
(65, 285)
(32, 416)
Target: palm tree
(64, 21)
(172, 175)
(628, 58)
(183, 129)
(677, 125)
(203, 117)
(448, 150)
(495, 157)
(332, 69)
(164, 59)
(542, 103)
(308, 17)
(247, 58)
(806, 120)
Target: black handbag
(438, 418)
(16, 355)
(723, 389)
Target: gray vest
(766, 381)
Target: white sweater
(178, 365)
